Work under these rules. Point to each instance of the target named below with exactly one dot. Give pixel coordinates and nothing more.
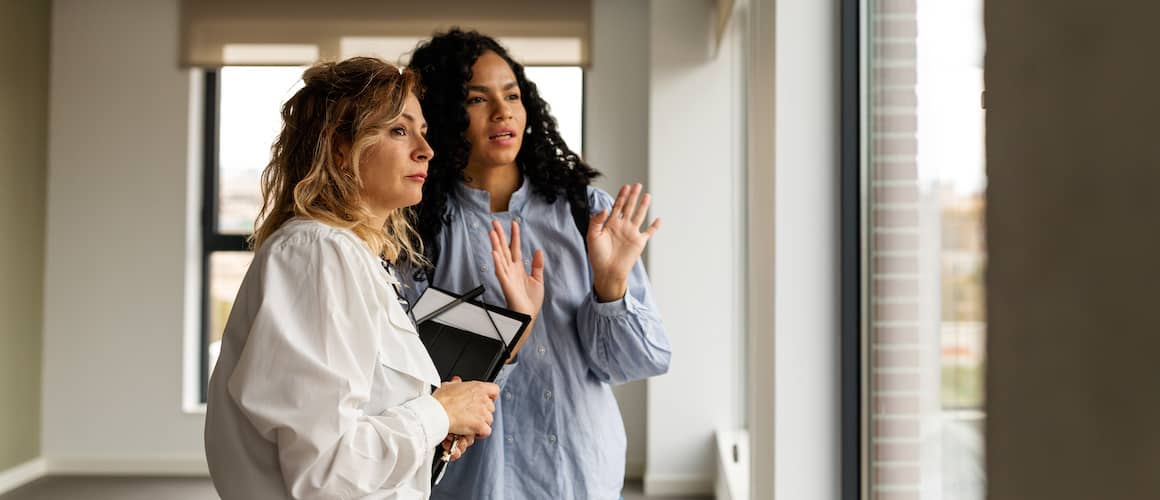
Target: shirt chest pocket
(403, 369)
(392, 388)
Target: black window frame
(854, 472)
(212, 239)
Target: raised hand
(524, 292)
(615, 242)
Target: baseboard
(22, 474)
(677, 485)
(186, 467)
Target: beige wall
(23, 128)
(1073, 154)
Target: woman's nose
(503, 111)
(424, 151)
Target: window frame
(212, 239)
(854, 394)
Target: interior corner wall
(24, 48)
(116, 253)
(1073, 235)
(616, 144)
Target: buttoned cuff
(432, 418)
(613, 309)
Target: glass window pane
(250, 118)
(926, 206)
(226, 270)
(563, 88)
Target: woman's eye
(474, 100)
(514, 97)
(400, 131)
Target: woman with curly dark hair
(500, 162)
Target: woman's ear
(342, 155)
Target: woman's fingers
(497, 258)
(497, 255)
(503, 244)
(618, 205)
(630, 206)
(496, 241)
(652, 228)
(641, 211)
(517, 255)
(464, 443)
(596, 223)
(538, 266)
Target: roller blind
(280, 32)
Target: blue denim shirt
(558, 432)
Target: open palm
(615, 241)
(524, 292)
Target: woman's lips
(504, 137)
(420, 178)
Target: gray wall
(1074, 246)
(119, 240)
(23, 129)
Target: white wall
(794, 408)
(116, 232)
(616, 143)
(806, 384)
(695, 164)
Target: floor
(165, 488)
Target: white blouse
(322, 388)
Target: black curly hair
(444, 67)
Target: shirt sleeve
(306, 372)
(624, 340)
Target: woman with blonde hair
(323, 388)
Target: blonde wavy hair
(313, 173)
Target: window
(242, 119)
(916, 132)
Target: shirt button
(542, 350)
(519, 219)
(510, 439)
(551, 438)
(475, 225)
(483, 268)
(507, 395)
(527, 262)
(547, 394)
